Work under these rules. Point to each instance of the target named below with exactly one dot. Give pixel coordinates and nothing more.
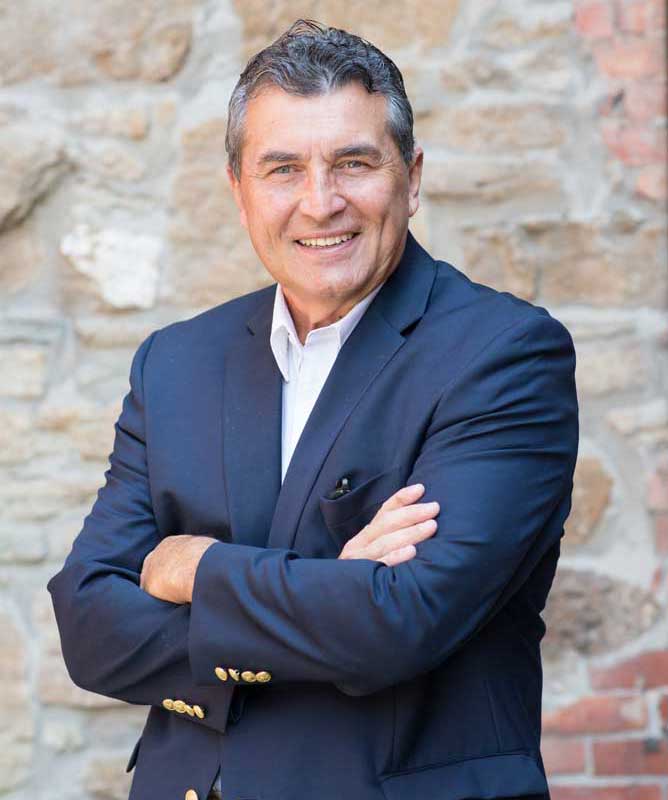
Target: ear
(235, 186)
(414, 178)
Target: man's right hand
(399, 524)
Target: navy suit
(385, 683)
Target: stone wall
(544, 128)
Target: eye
(285, 167)
(354, 163)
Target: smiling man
(334, 506)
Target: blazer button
(234, 673)
(199, 712)
(180, 706)
(168, 704)
(263, 676)
(220, 673)
(191, 794)
(248, 676)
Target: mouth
(328, 244)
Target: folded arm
(117, 640)
(498, 456)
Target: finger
(405, 495)
(401, 538)
(398, 556)
(389, 521)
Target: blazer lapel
(371, 345)
(252, 429)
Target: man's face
(317, 167)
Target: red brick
(657, 492)
(594, 20)
(646, 670)
(635, 145)
(645, 792)
(645, 100)
(600, 714)
(633, 17)
(656, 15)
(563, 756)
(631, 757)
(631, 57)
(663, 709)
(661, 534)
(652, 183)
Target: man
(334, 505)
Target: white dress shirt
(305, 367)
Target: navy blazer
(342, 678)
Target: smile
(327, 242)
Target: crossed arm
(499, 457)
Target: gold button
(180, 706)
(248, 676)
(199, 711)
(220, 673)
(190, 711)
(263, 676)
(234, 673)
(168, 704)
(191, 794)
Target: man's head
(320, 143)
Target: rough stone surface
(124, 266)
(592, 613)
(591, 494)
(543, 126)
(31, 162)
(16, 740)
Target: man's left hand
(168, 572)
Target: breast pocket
(348, 514)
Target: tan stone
(491, 257)
(129, 122)
(16, 738)
(52, 494)
(211, 258)
(54, 684)
(112, 161)
(106, 779)
(591, 613)
(610, 367)
(32, 160)
(110, 331)
(16, 436)
(21, 544)
(26, 368)
(493, 129)
(486, 182)
(592, 486)
(122, 40)
(428, 23)
(21, 259)
(597, 264)
(645, 418)
(507, 33)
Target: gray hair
(312, 59)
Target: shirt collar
(283, 332)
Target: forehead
(278, 120)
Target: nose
(321, 199)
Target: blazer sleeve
(117, 640)
(498, 455)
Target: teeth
(326, 242)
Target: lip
(334, 249)
(326, 234)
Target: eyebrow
(363, 149)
